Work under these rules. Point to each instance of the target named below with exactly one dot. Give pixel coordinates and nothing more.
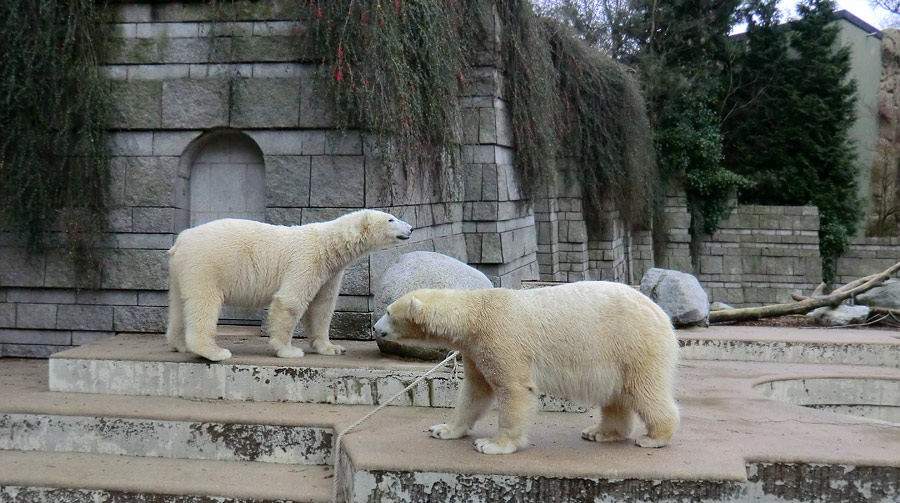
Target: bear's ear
(415, 308)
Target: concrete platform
(792, 345)
(141, 364)
(734, 444)
(28, 477)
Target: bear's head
(386, 229)
(435, 317)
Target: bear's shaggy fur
(296, 271)
(601, 343)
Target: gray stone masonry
(569, 251)
(758, 256)
(867, 256)
(184, 98)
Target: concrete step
(841, 346)
(141, 364)
(34, 419)
(734, 444)
(77, 477)
(166, 439)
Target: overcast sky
(860, 8)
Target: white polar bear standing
(296, 271)
(601, 343)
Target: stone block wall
(183, 100)
(867, 256)
(236, 125)
(499, 222)
(618, 253)
(758, 256)
(562, 239)
(569, 251)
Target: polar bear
(296, 271)
(601, 343)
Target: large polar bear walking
(296, 271)
(594, 341)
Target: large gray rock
(885, 295)
(678, 294)
(841, 315)
(422, 269)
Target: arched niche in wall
(224, 176)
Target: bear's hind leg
(516, 406)
(616, 424)
(202, 316)
(175, 330)
(317, 318)
(658, 411)
(475, 396)
(281, 322)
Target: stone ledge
(361, 377)
(79, 477)
(295, 445)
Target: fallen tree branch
(884, 311)
(821, 288)
(806, 305)
(871, 321)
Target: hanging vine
(399, 67)
(53, 106)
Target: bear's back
(234, 244)
(608, 316)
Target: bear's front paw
(214, 354)
(289, 352)
(596, 434)
(327, 348)
(447, 432)
(491, 446)
(645, 441)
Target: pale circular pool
(862, 397)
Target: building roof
(859, 23)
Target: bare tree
(892, 6)
(602, 23)
(885, 217)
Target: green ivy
(53, 106)
(798, 92)
(689, 142)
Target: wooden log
(806, 305)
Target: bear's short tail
(172, 249)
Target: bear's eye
(390, 220)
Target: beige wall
(865, 58)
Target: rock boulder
(840, 315)
(679, 294)
(422, 269)
(885, 295)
